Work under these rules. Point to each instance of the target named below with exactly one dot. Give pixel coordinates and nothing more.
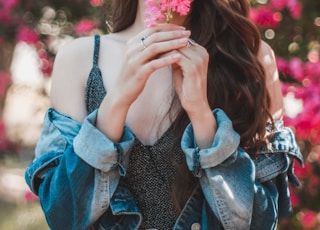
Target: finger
(157, 34)
(159, 63)
(165, 36)
(174, 66)
(162, 37)
(190, 63)
(193, 56)
(159, 43)
(154, 50)
(192, 49)
(155, 29)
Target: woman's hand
(190, 78)
(144, 56)
(190, 74)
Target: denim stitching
(196, 163)
(221, 207)
(121, 168)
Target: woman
(156, 131)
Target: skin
(267, 59)
(140, 83)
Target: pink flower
(6, 7)
(313, 185)
(96, 2)
(307, 123)
(85, 26)
(8, 4)
(46, 62)
(6, 17)
(302, 172)
(157, 9)
(308, 219)
(28, 35)
(294, 198)
(278, 4)
(30, 196)
(314, 56)
(282, 65)
(264, 17)
(180, 6)
(304, 126)
(285, 88)
(153, 13)
(296, 68)
(294, 8)
(296, 11)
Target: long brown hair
(236, 79)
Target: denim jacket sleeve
(243, 193)
(76, 170)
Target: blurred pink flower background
(300, 73)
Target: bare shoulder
(267, 58)
(71, 69)
(266, 54)
(265, 48)
(77, 53)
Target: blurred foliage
(292, 28)
(296, 37)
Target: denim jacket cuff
(279, 155)
(225, 143)
(97, 150)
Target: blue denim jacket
(76, 174)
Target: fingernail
(183, 40)
(186, 32)
(176, 56)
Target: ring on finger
(190, 43)
(142, 41)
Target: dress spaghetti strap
(96, 50)
(95, 91)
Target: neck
(140, 17)
(138, 24)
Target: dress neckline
(158, 141)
